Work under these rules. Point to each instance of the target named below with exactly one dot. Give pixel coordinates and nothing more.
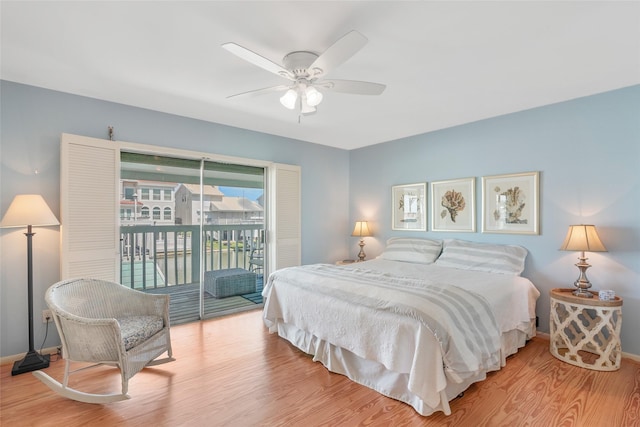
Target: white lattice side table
(585, 332)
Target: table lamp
(361, 230)
(582, 238)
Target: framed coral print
(409, 207)
(453, 205)
(510, 203)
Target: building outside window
(129, 192)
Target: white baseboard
(54, 350)
(631, 356)
(634, 357)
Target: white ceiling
(444, 63)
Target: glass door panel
(183, 223)
(233, 236)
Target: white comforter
(349, 315)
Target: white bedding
(384, 348)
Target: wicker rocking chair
(101, 322)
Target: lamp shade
(361, 229)
(289, 99)
(28, 209)
(313, 96)
(582, 238)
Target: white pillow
(502, 259)
(422, 251)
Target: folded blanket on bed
(461, 321)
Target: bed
(420, 323)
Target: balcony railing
(158, 256)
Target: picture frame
(510, 203)
(408, 207)
(453, 205)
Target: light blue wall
(588, 154)
(32, 120)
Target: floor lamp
(29, 210)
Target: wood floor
(230, 372)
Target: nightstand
(346, 262)
(585, 332)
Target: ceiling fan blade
(260, 61)
(257, 92)
(352, 86)
(343, 49)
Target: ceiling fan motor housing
(299, 62)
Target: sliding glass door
(194, 229)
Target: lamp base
(32, 361)
(361, 255)
(582, 284)
(582, 293)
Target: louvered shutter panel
(285, 218)
(88, 207)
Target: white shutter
(284, 217)
(88, 207)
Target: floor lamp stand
(32, 360)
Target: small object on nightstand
(607, 295)
(585, 332)
(345, 262)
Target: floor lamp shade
(29, 210)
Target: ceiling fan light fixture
(289, 99)
(314, 97)
(305, 108)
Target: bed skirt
(392, 384)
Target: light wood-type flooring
(230, 372)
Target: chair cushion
(137, 329)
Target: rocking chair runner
(103, 322)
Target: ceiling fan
(306, 72)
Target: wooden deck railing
(167, 255)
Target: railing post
(196, 253)
(143, 259)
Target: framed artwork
(453, 205)
(409, 207)
(510, 203)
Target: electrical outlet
(46, 314)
